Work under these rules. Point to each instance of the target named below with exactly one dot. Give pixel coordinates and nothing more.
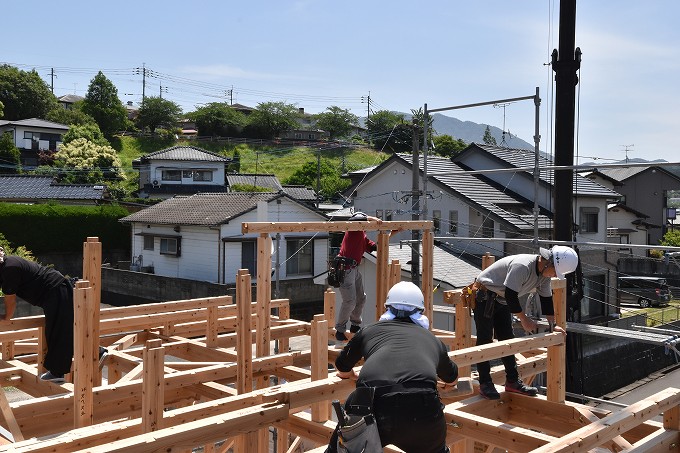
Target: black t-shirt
(396, 352)
(28, 280)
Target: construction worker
(354, 245)
(402, 360)
(497, 300)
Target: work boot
(340, 340)
(354, 328)
(521, 388)
(488, 391)
(56, 378)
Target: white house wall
(156, 168)
(601, 205)
(620, 218)
(392, 183)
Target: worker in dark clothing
(46, 288)
(402, 362)
(497, 299)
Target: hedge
(55, 228)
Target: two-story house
(180, 170)
(32, 136)
(645, 189)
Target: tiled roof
(301, 193)
(446, 266)
(621, 174)
(35, 122)
(267, 181)
(201, 209)
(20, 187)
(522, 158)
(70, 98)
(478, 191)
(185, 153)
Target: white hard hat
(563, 258)
(404, 296)
(358, 216)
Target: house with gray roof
(32, 136)
(41, 189)
(180, 170)
(199, 237)
(267, 181)
(645, 189)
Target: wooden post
(427, 272)
(244, 346)
(7, 350)
(284, 345)
(84, 365)
(153, 385)
(556, 354)
(92, 272)
(394, 275)
(328, 308)
(321, 411)
(9, 418)
(381, 272)
(211, 327)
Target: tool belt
(337, 269)
(468, 295)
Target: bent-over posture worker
(497, 300)
(48, 289)
(402, 362)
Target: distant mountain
(468, 131)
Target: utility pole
(318, 177)
(368, 105)
(52, 83)
(565, 68)
(162, 90)
(143, 83)
(626, 148)
(415, 207)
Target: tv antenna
(498, 106)
(626, 148)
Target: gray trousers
(353, 300)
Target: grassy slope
(280, 161)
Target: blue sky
(318, 53)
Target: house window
(187, 174)
(379, 213)
(487, 228)
(298, 256)
(170, 246)
(34, 137)
(388, 215)
(298, 135)
(249, 256)
(148, 242)
(437, 220)
(203, 175)
(453, 223)
(312, 136)
(589, 220)
(171, 175)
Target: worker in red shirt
(354, 245)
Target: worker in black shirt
(47, 288)
(402, 360)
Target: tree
(218, 119)
(90, 132)
(72, 116)
(157, 112)
(24, 94)
(102, 103)
(270, 119)
(447, 146)
(388, 131)
(336, 121)
(2, 109)
(488, 138)
(671, 238)
(85, 162)
(327, 174)
(10, 156)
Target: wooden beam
(607, 428)
(556, 382)
(9, 418)
(84, 352)
(153, 386)
(338, 226)
(321, 411)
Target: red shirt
(354, 244)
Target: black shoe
(56, 378)
(488, 391)
(521, 388)
(354, 328)
(340, 336)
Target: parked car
(644, 291)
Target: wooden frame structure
(201, 373)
